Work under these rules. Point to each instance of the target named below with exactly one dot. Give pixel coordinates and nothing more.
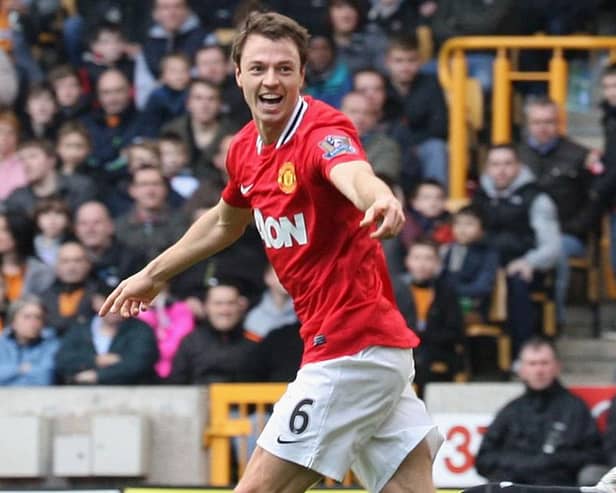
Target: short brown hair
(508, 146)
(74, 127)
(62, 72)
(273, 26)
(42, 144)
(40, 88)
(424, 241)
(52, 204)
(174, 56)
(405, 42)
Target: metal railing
(453, 75)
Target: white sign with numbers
(454, 466)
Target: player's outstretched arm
(357, 182)
(213, 231)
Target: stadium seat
(494, 328)
(605, 255)
(544, 296)
(426, 43)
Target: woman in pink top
(171, 320)
(11, 168)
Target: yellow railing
(453, 75)
(224, 399)
(239, 411)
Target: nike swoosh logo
(245, 189)
(280, 440)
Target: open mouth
(270, 99)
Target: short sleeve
(231, 193)
(335, 145)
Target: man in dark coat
(544, 436)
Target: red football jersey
(334, 271)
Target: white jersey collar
(290, 128)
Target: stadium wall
(176, 417)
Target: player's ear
(237, 76)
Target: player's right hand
(132, 295)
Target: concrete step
(587, 361)
(576, 348)
(585, 128)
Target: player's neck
(270, 133)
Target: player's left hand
(387, 212)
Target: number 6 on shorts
(300, 415)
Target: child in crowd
(426, 217)
(174, 158)
(73, 103)
(169, 100)
(107, 50)
(42, 116)
(142, 152)
(73, 148)
(426, 214)
(171, 319)
(430, 306)
(470, 264)
(53, 223)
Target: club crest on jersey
(334, 145)
(287, 180)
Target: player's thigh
(414, 475)
(266, 473)
(400, 440)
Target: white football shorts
(355, 412)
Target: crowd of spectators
(113, 139)
(114, 127)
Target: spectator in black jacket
(69, 300)
(128, 15)
(72, 101)
(277, 357)
(107, 51)
(544, 436)
(216, 349)
(521, 224)
(561, 168)
(113, 126)
(430, 306)
(42, 114)
(108, 351)
(592, 473)
(418, 100)
(169, 100)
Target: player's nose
(270, 78)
